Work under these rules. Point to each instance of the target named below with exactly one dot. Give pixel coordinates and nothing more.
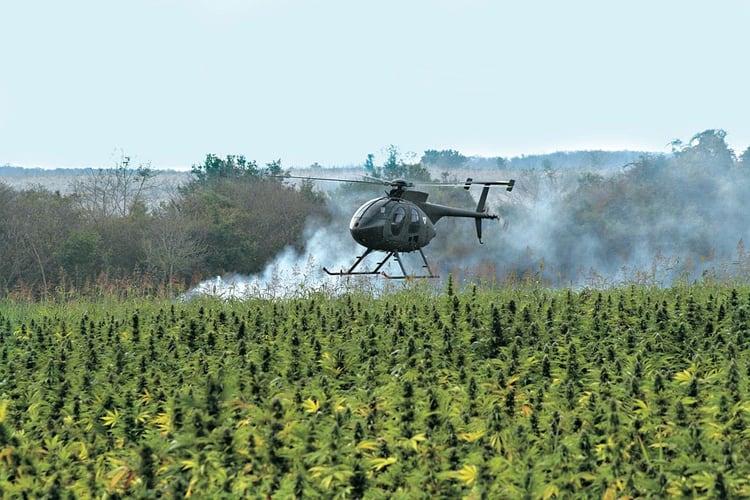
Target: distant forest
(118, 229)
(131, 228)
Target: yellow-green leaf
(5, 454)
(378, 464)
(146, 397)
(311, 405)
(367, 445)
(163, 422)
(468, 474)
(340, 405)
(685, 376)
(191, 487)
(470, 437)
(550, 491)
(188, 464)
(111, 418)
(117, 476)
(83, 453)
(414, 441)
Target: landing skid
(394, 254)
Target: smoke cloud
(658, 220)
(295, 273)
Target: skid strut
(394, 254)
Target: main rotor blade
(329, 179)
(367, 180)
(392, 182)
(403, 183)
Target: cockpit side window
(397, 219)
(414, 221)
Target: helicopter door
(397, 220)
(414, 224)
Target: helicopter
(403, 221)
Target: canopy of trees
(233, 216)
(687, 207)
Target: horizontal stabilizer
(510, 183)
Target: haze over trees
(683, 211)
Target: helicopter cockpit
(397, 220)
(359, 217)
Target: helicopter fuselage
(404, 221)
(391, 224)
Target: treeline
(232, 216)
(682, 215)
(660, 217)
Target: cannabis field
(479, 393)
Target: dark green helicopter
(404, 221)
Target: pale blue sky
(168, 81)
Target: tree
(447, 158)
(122, 243)
(8, 247)
(244, 215)
(745, 158)
(172, 245)
(232, 166)
(113, 192)
(395, 167)
(370, 165)
(80, 254)
(274, 168)
(706, 152)
(34, 225)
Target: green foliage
(245, 221)
(447, 158)
(232, 166)
(745, 158)
(79, 253)
(395, 167)
(501, 393)
(232, 217)
(33, 223)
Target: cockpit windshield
(361, 210)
